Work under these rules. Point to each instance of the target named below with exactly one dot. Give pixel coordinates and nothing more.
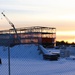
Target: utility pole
(12, 25)
(9, 60)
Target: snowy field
(26, 60)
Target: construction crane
(12, 25)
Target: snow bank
(30, 66)
(21, 51)
(49, 51)
(44, 50)
(72, 50)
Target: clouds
(55, 13)
(47, 9)
(55, 7)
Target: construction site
(45, 36)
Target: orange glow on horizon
(67, 33)
(67, 36)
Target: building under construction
(45, 36)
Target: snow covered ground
(26, 60)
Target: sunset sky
(52, 13)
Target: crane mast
(12, 25)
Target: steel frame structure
(45, 36)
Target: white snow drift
(25, 60)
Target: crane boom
(12, 25)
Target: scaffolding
(45, 36)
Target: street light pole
(9, 40)
(9, 60)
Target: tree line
(64, 43)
